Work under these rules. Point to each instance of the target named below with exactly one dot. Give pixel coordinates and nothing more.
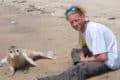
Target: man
(99, 52)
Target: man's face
(76, 20)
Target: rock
(19, 1)
(13, 22)
(58, 13)
(112, 18)
(3, 62)
(32, 8)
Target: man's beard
(79, 28)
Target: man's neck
(84, 26)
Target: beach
(40, 25)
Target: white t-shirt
(101, 39)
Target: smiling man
(99, 52)
(99, 39)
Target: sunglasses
(72, 9)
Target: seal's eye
(17, 50)
(10, 51)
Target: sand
(40, 25)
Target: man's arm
(99, 57)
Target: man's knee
(75, 51)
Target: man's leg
(81, 71)
(75, 54)
(93, 68)
(73, 73)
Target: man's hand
(83, 59)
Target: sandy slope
(40, 25)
